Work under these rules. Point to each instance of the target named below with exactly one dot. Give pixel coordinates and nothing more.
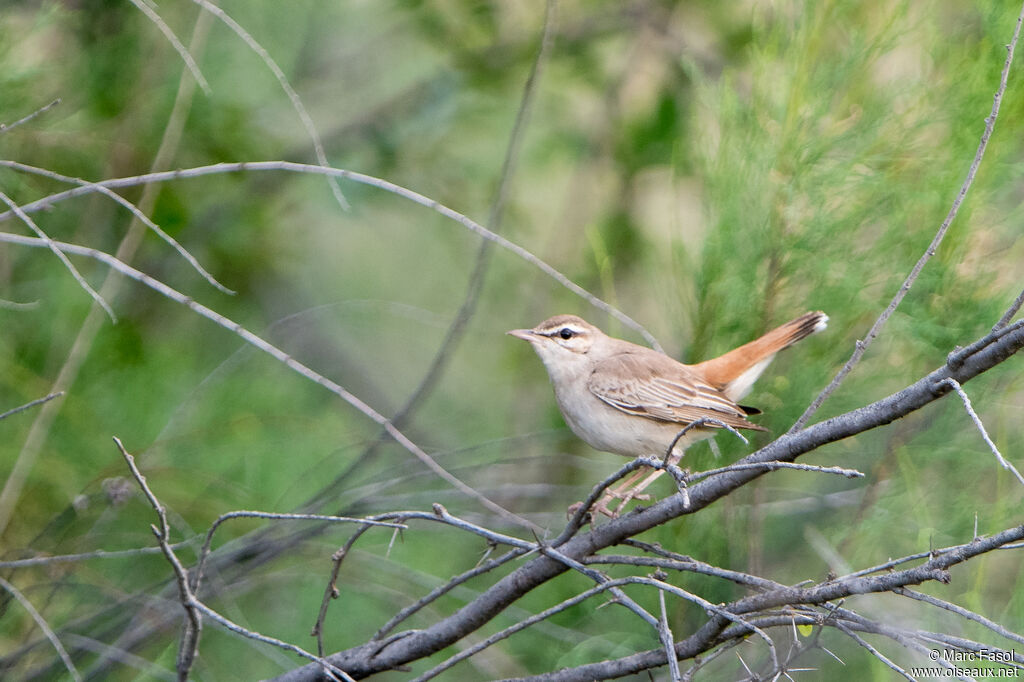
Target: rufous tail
(735, 372)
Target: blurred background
(712, 169)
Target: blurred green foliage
(713, 169)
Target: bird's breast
(608, 429)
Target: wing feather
(659, 388)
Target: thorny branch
(195, 609)
(726, 623)
(576, 552)
(405, 647)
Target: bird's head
(562, 342)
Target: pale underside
(642, 414)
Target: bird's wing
(660, 388)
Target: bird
(631, 400)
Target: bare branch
(1010, 312)
(873, 651)
(600, 578)
(87, 556)
(190, 639)
(331, 591)
(773, 466)
(41, 622)
(193, 607)
(687, 564)
(205, 551)
(135, 211)
(960, 611)
(41, 110)
(283, 357)
(441, 514)
(90, 327)
(289, 91)
(361, 178)
(579, 516)
(725, 613)
(150, 669)
(668, 640)
(30, 405)
(981, 427)
(703, 421)
(331, 671)
(521, 625)
(59, 254)
(182, 51)
(441, 590)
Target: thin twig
(689, 565)
(182, 51)
(361, 178)
(580, 515)
(41, 110)
(135, 211)
(149, 670)
(955, 359)
(773, 466)
(271, 516)
(668, 640)
(521, 625)
(872, 650)
(283, 357)
(87, 332)
(440, 514)
(328, 669)
(909, 639)
(459, 323)
(981, 427)
(713, 608)
(27, 406)
(68, 265)
(442, 590)
(703, 421)
(331, 591)
(862, 346)
(289, 91)
(1010, 312)
(601, 578)
(960, 611)
(88, 556)
(195, 608)
(190, 640)
(701, 661)
(41, 622)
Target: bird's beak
(524, 334)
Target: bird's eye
(566, 333)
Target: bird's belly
(605, 428)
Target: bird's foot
(600, 506)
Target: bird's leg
(603, 504)
(634, 493)
(623, 491)
(626, 483)
(600, 506)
